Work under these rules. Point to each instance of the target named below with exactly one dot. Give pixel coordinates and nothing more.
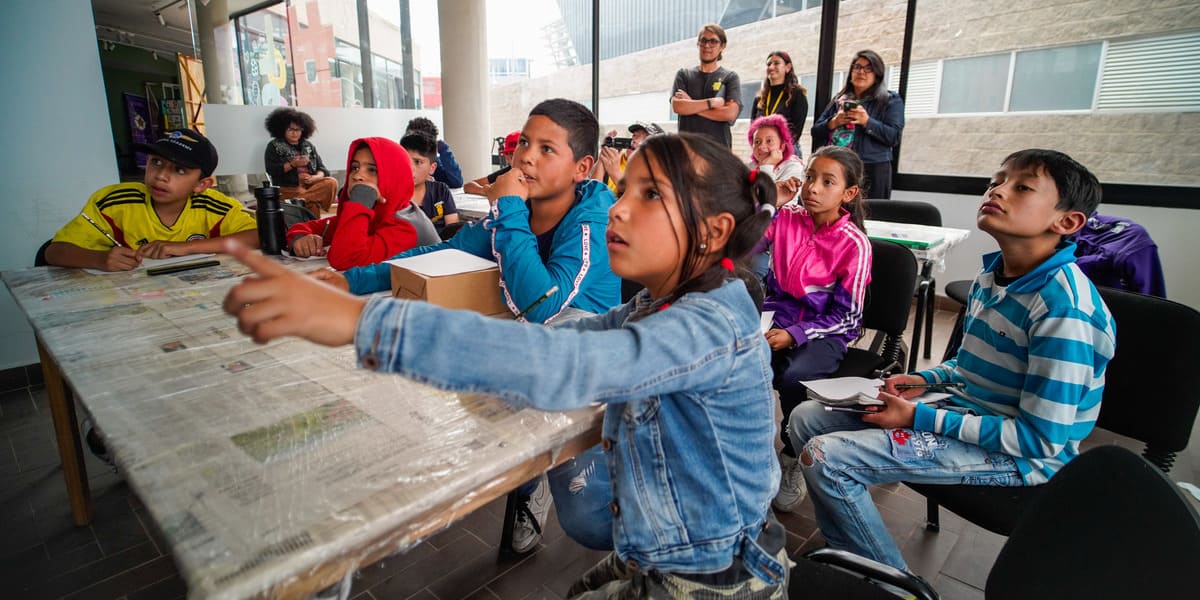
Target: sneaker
(792, 488)
(532, 511)
(94, 443)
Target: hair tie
(766, 207)
(753, 175)
(727, 264)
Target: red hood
(395, 176)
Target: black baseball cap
(185, 147)
(649, 128)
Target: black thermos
(270, 219)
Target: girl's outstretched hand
(276, 302)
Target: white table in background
(929, 244)
(471, 207)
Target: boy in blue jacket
(546, 225)
(1036, 340)
(546, 229)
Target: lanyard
(777, 99)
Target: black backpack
(295, 213)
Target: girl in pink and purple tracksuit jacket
(820, 268)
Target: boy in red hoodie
(365, 229)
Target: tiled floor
(121, 556)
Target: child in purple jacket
(820, 268)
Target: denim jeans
(841, 456)
(813, 359)
(582, 495)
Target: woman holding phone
(866, 117)
(293, 163)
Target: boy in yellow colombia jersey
(175, 212)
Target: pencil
(325, 229)
(98, 228)
(931, 386)
(549, 292)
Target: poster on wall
(138, 113)
(172, 112)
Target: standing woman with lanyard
(868, 118)
(782, 94)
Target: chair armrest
(859, 565)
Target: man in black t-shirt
(708, 97)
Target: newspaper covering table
(264, 465)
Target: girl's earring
(704, 246)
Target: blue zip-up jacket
(578, 262)
(873, 143)
(689, 426)
(1033, 359)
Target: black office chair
(1108, 525)
(958, 291)
(889, 296)
(1150, 394)
(914, 213)
(39, 258)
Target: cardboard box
(452, 279)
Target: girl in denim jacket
(683, 368)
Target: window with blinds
(1160, 72)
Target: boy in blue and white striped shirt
(1037, 338)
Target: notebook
(156, 262)
(856, 391)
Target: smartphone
(179, 267)
(850, 105)
(620, 143)
(491, 178)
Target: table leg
(66, 432)
(918, 319)
(930, 304)
(510, 519)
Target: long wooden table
(272, 471)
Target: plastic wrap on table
(271, 468)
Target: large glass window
(973, 85)
(392, 56)
(308, 53)
(810, 83)
(643, 44)
(1055, 78)
(348, 73)
(321, 56)
(537, 50)
(984, 82)
(264, 52)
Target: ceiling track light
(161, 20)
